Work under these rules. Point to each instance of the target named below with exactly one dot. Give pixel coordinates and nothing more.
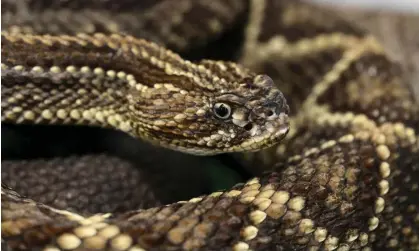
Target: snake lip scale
(310, 102)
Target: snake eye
(222, 110)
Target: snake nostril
(248, 127)
(269, 113)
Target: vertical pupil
(222, 111)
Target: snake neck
(83, 80)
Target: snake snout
(272, 109)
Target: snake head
(251, 116)
(211, 108)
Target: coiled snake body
(344, 178)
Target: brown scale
(325, 194)
(139, 19)
(380, 78)
(91, 55)
(76, 185)
(57, 95)
(331, 195)
(311, 136)
(39, 5)
(35, 220)
(327, 190)
(297, 76)
(398, 217)
(232, 71)
(308, 22)
(305, 138)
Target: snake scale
(333, 122)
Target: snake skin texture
(345, 177)
(83, 179)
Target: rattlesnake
(345, 177)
